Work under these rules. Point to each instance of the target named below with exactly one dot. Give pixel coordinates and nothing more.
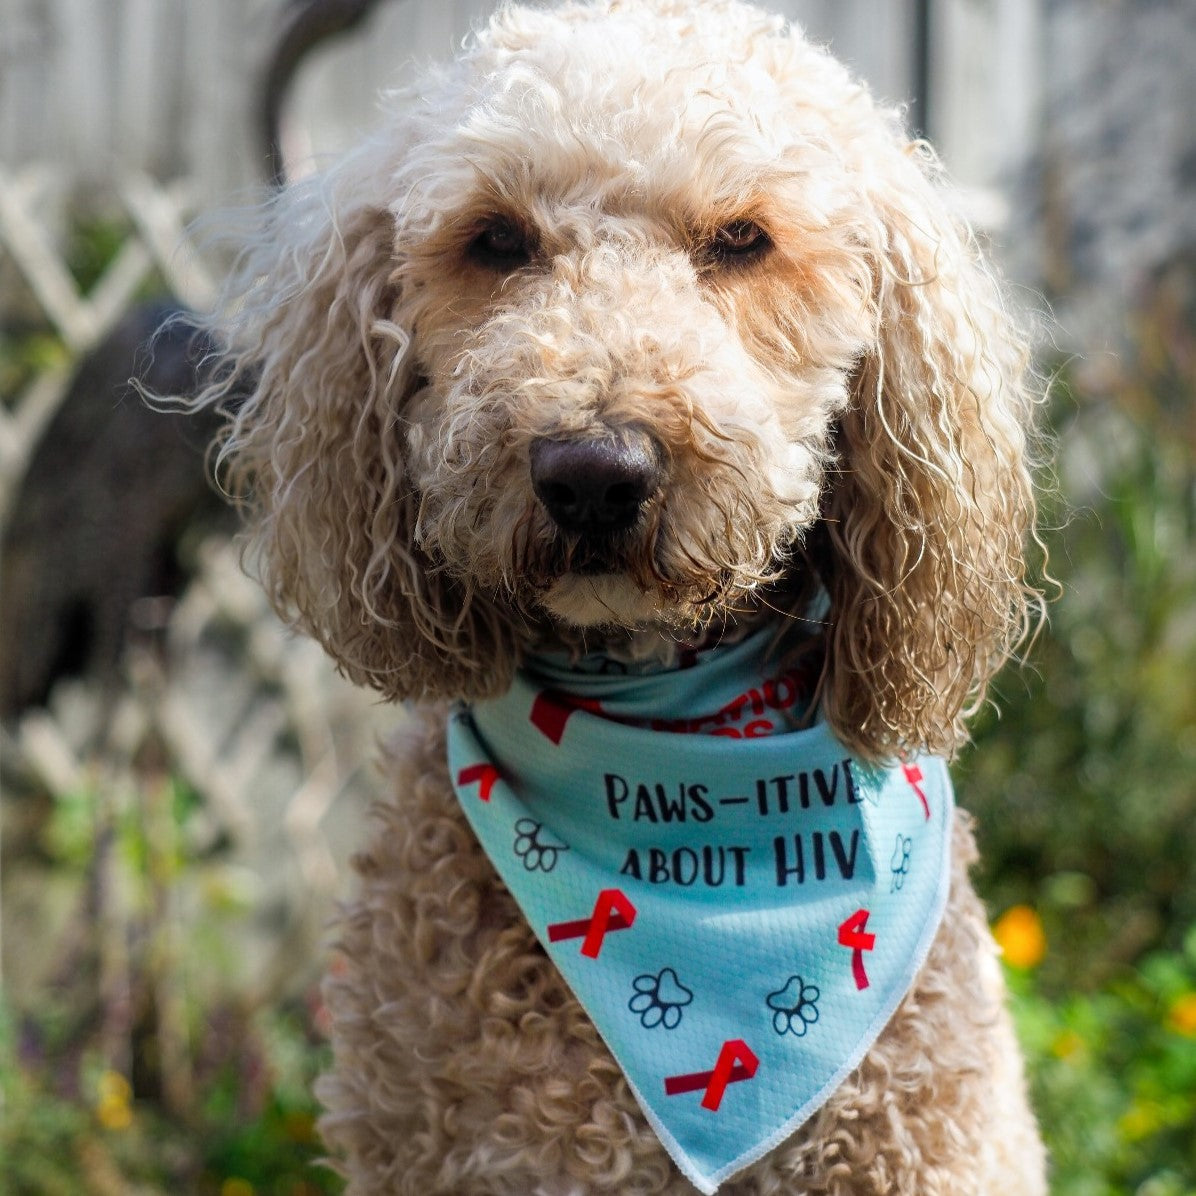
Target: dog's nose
(595, 486)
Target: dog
(640, 337)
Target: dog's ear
(319, 368)
(928, 517)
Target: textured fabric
(738, 904)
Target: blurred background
(182, 780)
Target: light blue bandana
(739, 905)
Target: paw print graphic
(538, 851)
(899, 865)
(795, 1007)
(659, 999)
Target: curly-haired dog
(638, 329)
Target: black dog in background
(99, 519)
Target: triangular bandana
(739, 906)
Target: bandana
(739, 904)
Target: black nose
(595, 486)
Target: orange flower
(1181, 1017)
(1020, 936)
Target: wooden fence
(170, 89)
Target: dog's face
(635, 320)
(620, 310)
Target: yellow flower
(1066, 1044)
(1181, 1017)
(1020, 936)
(236, 1187)
(1140, 1120)
(113, 1095)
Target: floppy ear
(928, 518)
(319, 366)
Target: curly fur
(846, 411)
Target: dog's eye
(737, 240)
(501, 245)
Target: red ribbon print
(915, 776)
(852, 934)
(551, 710)
(612, 911)
(484, 774)
(736, 1061)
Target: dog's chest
(491, 1046)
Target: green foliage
(1084, 783)
(79, 1129)
(25, 355)
(1113, 1075)
(196, 1090)
(93, 241)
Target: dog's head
(640, 315)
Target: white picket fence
(101, 87)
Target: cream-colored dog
(639, 323)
